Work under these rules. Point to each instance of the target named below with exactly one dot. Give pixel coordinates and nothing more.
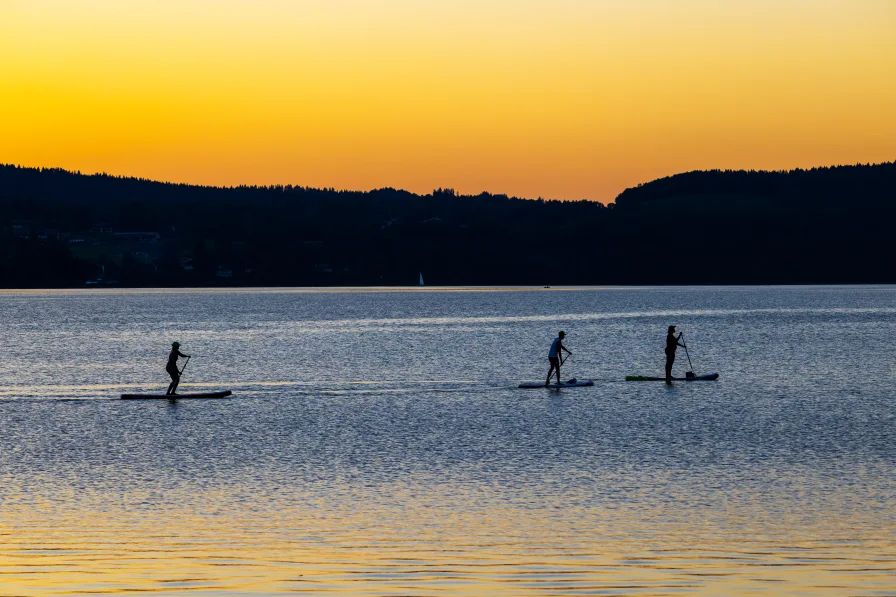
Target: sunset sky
(564, 99)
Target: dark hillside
(823, 225)
(278, 235)
(826, 225)
(870, 186)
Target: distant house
(187, 265)
(224, 272)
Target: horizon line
(434, 191)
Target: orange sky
(563, 99)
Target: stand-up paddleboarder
(172, 369)
(672, 344)
(554, 357)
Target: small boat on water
(707, 377)
(203, 395)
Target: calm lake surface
(377, 444)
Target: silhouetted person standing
(172, 369)
(554, 357)
(672, 344)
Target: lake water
(377, 444)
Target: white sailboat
(421, 278)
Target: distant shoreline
(828, 225)
(423, 289)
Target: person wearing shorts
(554, 357)
(672, 343)
(172, 369)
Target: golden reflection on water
(398, 541)
(336, 468)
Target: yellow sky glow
(564, 99)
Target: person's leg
(174, 385)
(551, 370)
(669, 360)
(558, 373)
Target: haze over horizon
(572, 99)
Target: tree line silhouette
(825, 225)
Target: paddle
(185, 365)
(691, 372)
(563, 361)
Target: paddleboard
(223, 394)
(573, 383)
(709, 377)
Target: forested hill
(828, 225)
(871, 186)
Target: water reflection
(397, 539)
(394, 463)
